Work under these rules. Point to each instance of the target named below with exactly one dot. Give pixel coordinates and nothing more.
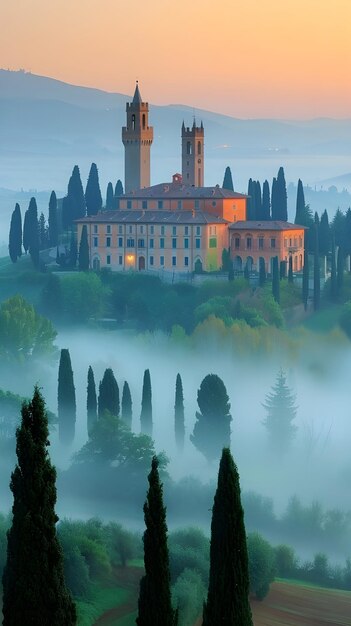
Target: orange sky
(247, 58)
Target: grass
(102, 600)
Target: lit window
(174, 261)
(162, 260)
(174, 243)
(108, 260)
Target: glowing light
(130, 258)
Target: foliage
(83, 296)
(281, 412)
(52, 220)
(127, 410)
(31, 232)
(34, 556)
(275, 280)
(108, 394)
(261, 565)
(146, 405)
(83, 256)
(91, 401)
(228, 179)
(15, 235)
(212, 428)
(316, 266)
(66, 399)
(74, 206)
(188, 595)
(179, 426)
(285, 561)
(109, 205)
(93, 196)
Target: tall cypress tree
(110, 205)
(282, 196)
(251, 210)
(73, 206)
(324, 235)
(43, 232)
(73, 252)
(228, 179)
(66, 399)
(108, 394)
(33, 579)
(127, 410)
(316, 269)
(275, 201)
(333, 282)
(83, 258)
(154, 605)
(179, 426)
(31, 232)
(53, 221)
(340, 263)
(305, 279)
(275, 280)
(300, 205)
(91, 401)
(93, 196)
(118, 189)
(146, 405)
(258, 200)
(15, 236)
(266, 201)
(347, 238)
(26, 231)
(261, 272)
(228, 590)
(212, 426)
(51, 297)
(290, 270)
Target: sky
(246, 58)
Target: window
(152, 228)
(199, 147)
(248, 243)
(120, 259)
(95, 242)
(174, 261)
(120, 229)
(213, 230)
(186, 243)
(295, 242)
(174, 243)
(108, 242)
(162, 230)
(273, 242)
(95, 229)
(133, 121)
(300, 242)
(108, 229)
(129, 204)
(130, 243)
(160, 204)
(141, 243)
(179, 204)
(213, 242)
(130, 229)
(151, 243)
(144, 122)
(186, 230)
(198, 243)
(186, 261)
(174, 230)
(162, 260)
(188, 147)
(141, 229)
(198, 230)
(108, 260)
(214, 203)
(290, 243)
(260, 243)
(162, 243)
(237, 243)
(197, 204)
(120, 242)
(151, 260)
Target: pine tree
(280, 406)
(333, 282)
(43, 232)
(108, 394)
(251, 209)
(258, 200)
(347, 234)
(83, 262)
(118, 189)
(262, 272)
(179, 426)
(324, 235)
(15, 236)
(228, 590)
(34, 590)
(91, 401)
(300, 214)
(212, 426)
(110, 205)
(290, 271)
(127, 410)
(73, 252)
(305, 279)
(154, 605)
(66, 399)
(338, 228)
(26, 231)
(275, 200)
(93, 196)
(266, 201)
(275, 280)
(340, 263)
(228, 179)
(282, 197)
(73, 206)
(316, 267)
(32, 231)
(53, 221)
(146, 405)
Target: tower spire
(137, 97)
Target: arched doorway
(96, 264)
(249, 263)
(238, 263)
(141, 263)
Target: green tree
(305, 279)
(127, 409)
(282, 270)
(53, 221)
(91, 401)
(83, 295)
(262, 272)
(66, 399)
(228, 179)
(251, 208)
(108, 394)
(303, 216)
(324, 235)
(74, 206)
(118, 189)
(110, 204)
(31, 233)
(333, 282)
(225, 259)
(228, 591)
(275, 201)
(212, 426)
(15, 236)
(26, 231)
(316, 267)
(51, 298)
(338, 228)
(266, 201)
(261, 565)
(154, 605)
(231, 271)
(146, 405)
(258, 200)
(275, 280)
(290, 271)
(83, 262)
(179, 425)
(281, 197)
(33, 580)
(73, 252)
(93, 196)
(280, 415)
(43, 233)
(340, 263)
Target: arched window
(188, 147)
(133, 122)
(199, 147)
(143, 121)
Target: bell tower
(193, 155)
(137, 137)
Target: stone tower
(193, 155)
(137, 138)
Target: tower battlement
(193, 143)
(137, 138)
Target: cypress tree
(275, 280)
(108, 394)
(324, 235)
(282, 270)
(340, 263)
(282, 197)
(305, 279)
(83, 262)
(231, 271)
(251, 192)
(26, 231)
(290, 271)
(66, 399)
(300, 205)
(225, 259)
(280, 406)
(73, 206)
(333, 282)
(146, 405)
(154, 604)
(109, 198)
(275, 200)
(228, 590)
(91, 401)
(246, 271)
(32, 231)
(262, 272)
(127, 411)
(118, 189)
(93, 196)
(258, 200)
(228, 179)
(347, 237)
(33, 579)
(15, 236)
(179, 426)
(73, 252)
(43, 232)
(338, 227)
(53, 222)
(316, 268)
(266, 201)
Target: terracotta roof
(152, 217)
(265, 225)
(179, 190)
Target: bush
(285, 561)
(261, 565)
(188, 594)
